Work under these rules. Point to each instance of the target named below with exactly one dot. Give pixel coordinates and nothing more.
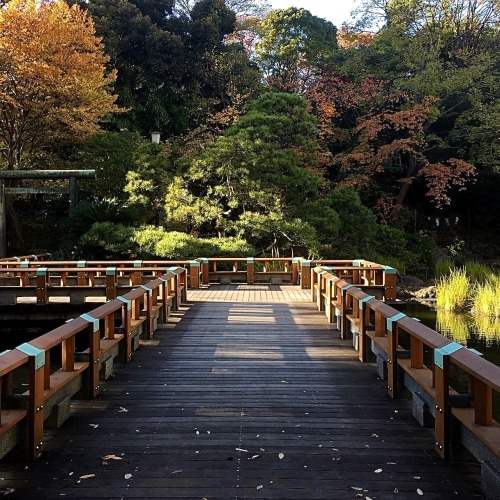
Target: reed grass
(452, 291)
(443, 267)
(477, 271)
(486, 300)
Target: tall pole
(3, 221)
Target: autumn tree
(54, 86)
(377, 134)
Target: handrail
(138, 306)
(368, 318)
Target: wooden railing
(379, 279)
(54, 368)
(425, 358)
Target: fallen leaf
(420, 492)
(111, 457)
(177, 471)
(241, 449)
(356, 488)
(359, 495)
(416, 477)
(95, 426)
(368, 498)
(281, 456)
(396, 490)
(392, 463)
(127, 476)
(260, 486)
(262, 449)
(254, 457)
(377, 471)
(374, 435)
(197, 432)
(122, 410)
(87, 476)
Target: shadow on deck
(244, 394)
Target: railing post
(35, 409)
(362, 339)
(305, 274)
(392, 354)
(442, 394)
(205, 271)
(390, 276)
(194, 274)
(250, 270)
(343, 310)
(148, 306)
(111, 283)
(94, 355)
(41, 285)
(127, 327)
(295, 270)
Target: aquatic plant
(452, 291)
(486, 299)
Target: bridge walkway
(247, 392)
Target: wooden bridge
(241, 391)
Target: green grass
(486, 299)
(443, 267)
(477, 271)
(452, 291)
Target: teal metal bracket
(356, 262)
(149, 290)
(203, 260)
(474, 351)
(394, 319)
(41, 271)
(345, 288)
(306, 263)
(33, 351)
(91, 319)
(327, 269)
(194, 263)
(439, 354)
(25, 263)
(362, 302)
(81, 263)
(137, 263)
(128, 302)
(295, 260)
(110, 271)
(250, 260)
(390, 270)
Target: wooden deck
(247, 393)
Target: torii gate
(72, 175)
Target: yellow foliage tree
(53, 80)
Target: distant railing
(53, 369)
(377, 279)
(424, 357)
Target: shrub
(486, 297)
(106, 240)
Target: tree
(293, 46)
(255, 179)
(53, 85)
(377, 133)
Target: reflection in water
(455, 326)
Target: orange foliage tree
(375, 131)
(53, 82)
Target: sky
(336, 11)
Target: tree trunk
(403, 191)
